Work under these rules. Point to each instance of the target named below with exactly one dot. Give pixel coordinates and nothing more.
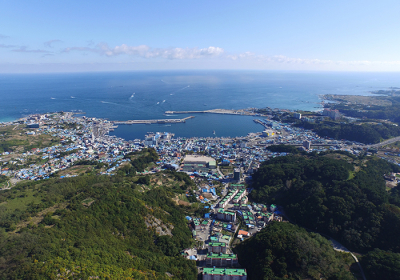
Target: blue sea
(147, 95)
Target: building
(227, 198)
(224, 260)
(236, 174)
(224, 274)
(217, 247)
(226, 215)
(151, 141)
(198, 163)
(196, 224)
(268, 133)
(267, 217)
(334, 114)
(297, 116)
(238, 197)
(32, 125)
(243, 233)
(307, 145)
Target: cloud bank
(148, 52)
(189, 58)
(145, 51)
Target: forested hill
(286, 251)
(336, 194)
(93, 226)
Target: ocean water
(147, 95)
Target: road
(340, 248)
(389, 141)
(219, 172)
(335, 244)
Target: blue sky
(64, 36)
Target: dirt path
(39, 216)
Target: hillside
(94, 226)
(337, 194)
(286, 251)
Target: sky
(308, 35)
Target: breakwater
(159, 121)
(215, 111)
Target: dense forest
(380, 264)
(93, 226)
(364, 133)
(286, 251)
(282, 148)
(344, 198)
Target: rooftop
(221, 256)
(225, 271)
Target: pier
(214, 111)
(160, 121)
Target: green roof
(217, 244)
(221, 256)
(221, 210)
(224, 271)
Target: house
(224, 260)
(226, 215)
(217, 247)
(243, 233)
(224, 274)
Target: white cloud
(7, 46)
(148, 52)
(247, 59)
(24, 49)
(50, 43)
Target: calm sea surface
(147, 95)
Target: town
(220, 167)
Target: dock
(213, 111)
(160, 121)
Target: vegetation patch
(327, 195)
(286, 251)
